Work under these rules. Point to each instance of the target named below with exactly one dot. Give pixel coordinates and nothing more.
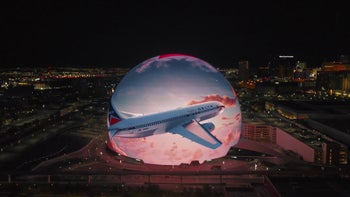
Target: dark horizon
(124, 34)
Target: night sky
(124, 33)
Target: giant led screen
(173, 109)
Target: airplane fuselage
(147, 125)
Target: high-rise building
(335, 76)
(264, 73)
(300, 73)
(283, 67)
(244, 70)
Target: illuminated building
(259, 133)
(160, 133)
(334, 78)
(335, 66)
(41, 86)
(249, 84)
(335, 153)
(334, 81)
(311, 148)
(328, 140)
(298, 143)
(287, 109)
(301, 73)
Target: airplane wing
(129, 114)
(197, 133)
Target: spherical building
(173, 109)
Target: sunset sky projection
(168, 82)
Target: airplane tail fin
(113, 117)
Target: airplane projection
(182, 121)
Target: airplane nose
(221, 107)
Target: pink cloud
(144, 65)
(162, 59)
(195, 62)
(197, 155)
(237, 116)
(234, 119)
(228, 124)
(227, 101)
(201, 64)
(225, 118)
(172, 153)
(186, 153)
(228, 138)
